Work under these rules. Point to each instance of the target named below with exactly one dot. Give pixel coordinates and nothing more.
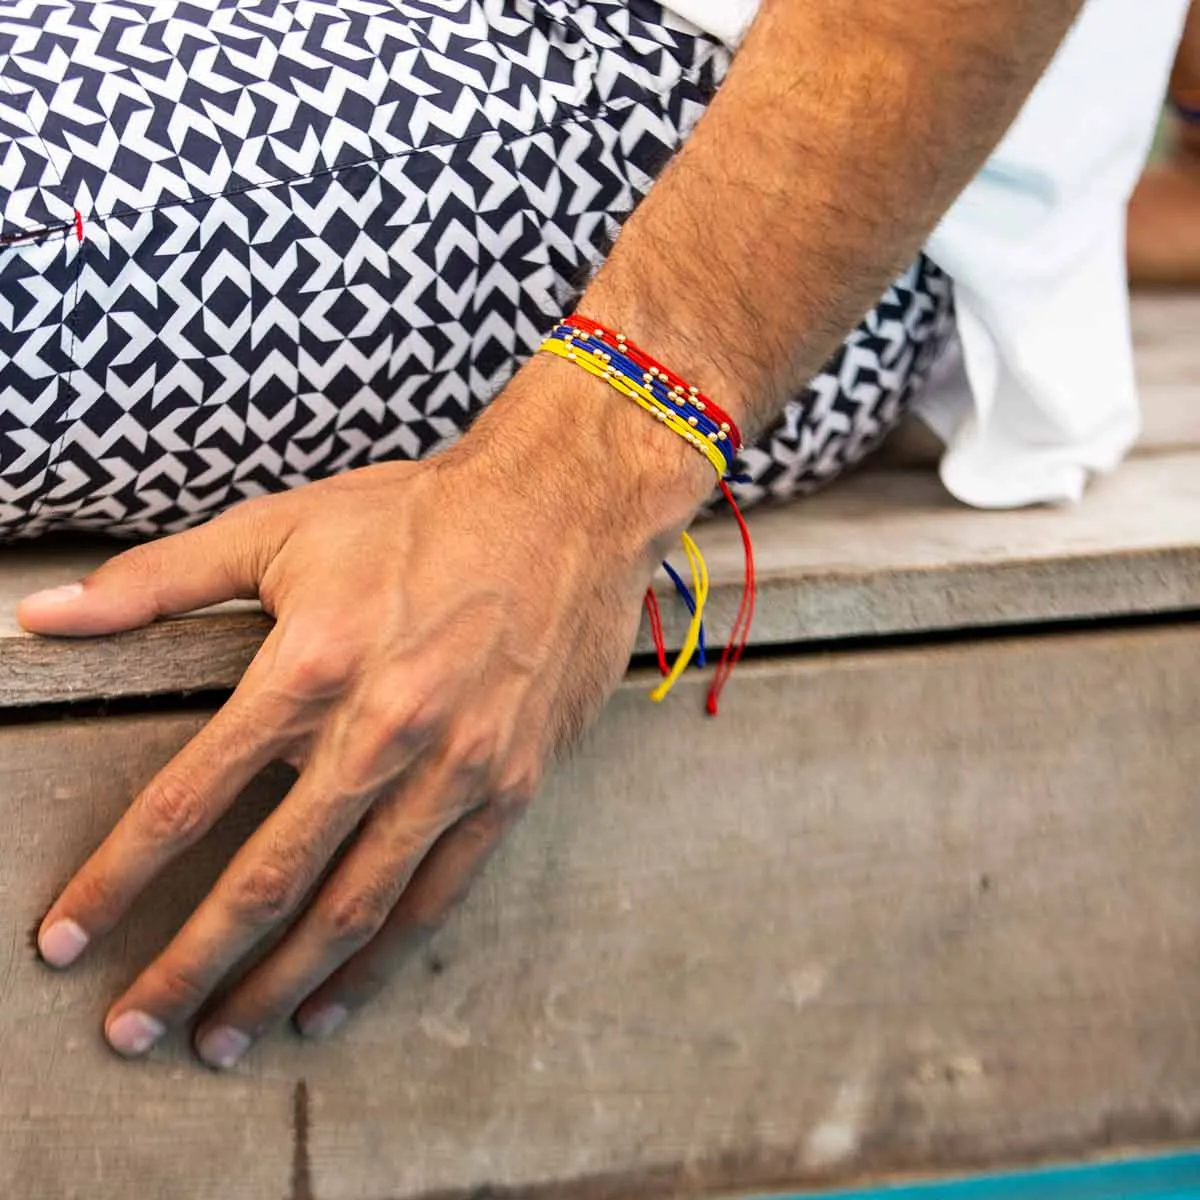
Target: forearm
(840, 137)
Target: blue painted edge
(1166, 1177)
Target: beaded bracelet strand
(693, 416)
(636, 390)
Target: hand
(442, 629)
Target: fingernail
(133, 1033)
(58, 595)
(62, 943)
(223, 1046)
(325, 1022)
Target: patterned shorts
(249, 243)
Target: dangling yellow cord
(692, 639)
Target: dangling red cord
(656, 630)
(739, 635)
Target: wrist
(638, 483)
(678, 339)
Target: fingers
(269, 717)
(352, 906)
(173, 812)
(439, 884)
(261, 890)
(223, 560)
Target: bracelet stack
(610, 356)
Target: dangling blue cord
(688, 599)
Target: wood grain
(884, 552)
(945, 915)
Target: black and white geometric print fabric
(861, 394)
(320, 233)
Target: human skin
(444, 628)
(1164, 214)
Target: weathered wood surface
(883, 552)
(945, 914)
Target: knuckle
(518, 786)
(474, 751)
(356, 917)
(181, 991)
(253, 508)
(424, 915)
(141, 563)
(95, 895)
(265, 894)
(314, 668)
(401, 718)
(172, 809)
(429, 908)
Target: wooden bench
(928, 899)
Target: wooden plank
(882, 553)
(908, 911)
(185, 655)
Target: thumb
(223, 560)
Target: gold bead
(693, 421)
(699, 405)
(724, 426)
(694, 390)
